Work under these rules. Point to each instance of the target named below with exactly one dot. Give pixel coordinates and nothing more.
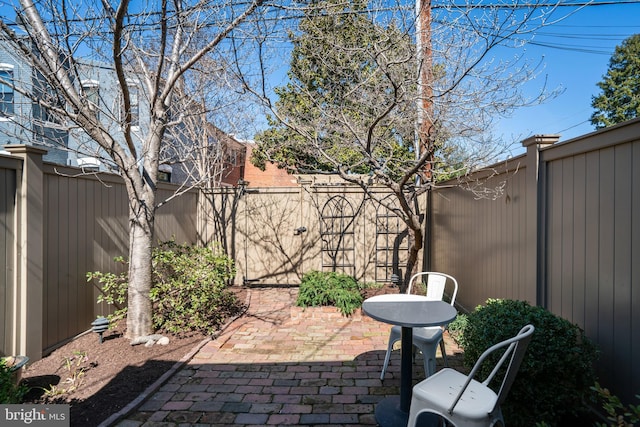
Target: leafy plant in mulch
(76, 366)
(10, 392)
(330, 289)
(556, 375)
(189, 290)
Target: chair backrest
(517, 347)
(436, 285)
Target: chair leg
(386, 359)
(444, 353)
(429, 365)
(429, 357)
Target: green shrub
(10, 392)
(617, 413)
(113, 289)
(189, 290)
(557, 372)
(456, 328)
(337, 289)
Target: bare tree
(386, 95)
(149, 52)
(200, 153)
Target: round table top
(408, 310)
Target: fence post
(29, 250)
(535, 223)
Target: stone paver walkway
(280, 365)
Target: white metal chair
(463, 401)
(425, 339)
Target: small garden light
(99, 326)
(395, 279)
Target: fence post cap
(540, 140)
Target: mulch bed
(99, 379)
(102, 378)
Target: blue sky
(576, 58)
(576, 53)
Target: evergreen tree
(343, 77)
(619, 100)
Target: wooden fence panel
(262, 230)
(479, 240)
(7, 239)
(592, 203)
(584, 206)
(86, 227)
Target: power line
(400, 8)
(540, 34)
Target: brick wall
(270, 177)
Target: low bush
(336, 289)
(189, 290)
(10, 392)
(556, 375)
(618, 414)
(456, 328)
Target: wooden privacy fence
(278, 234)
(562, 232)
(57, 224)
(557, 226)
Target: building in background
(26, 120)
(272, 176)
(195, 151)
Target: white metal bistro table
(407, 311)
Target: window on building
(49, 116)
(91, 92)
(164, 173)
(134, 104)
(47, 104)
(6, 90)
(133, 99)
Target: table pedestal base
(389, 414)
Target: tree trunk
(139, 315)
(416, 239)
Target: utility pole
(425, 115)
(425, 77)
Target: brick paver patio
(279, 365)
